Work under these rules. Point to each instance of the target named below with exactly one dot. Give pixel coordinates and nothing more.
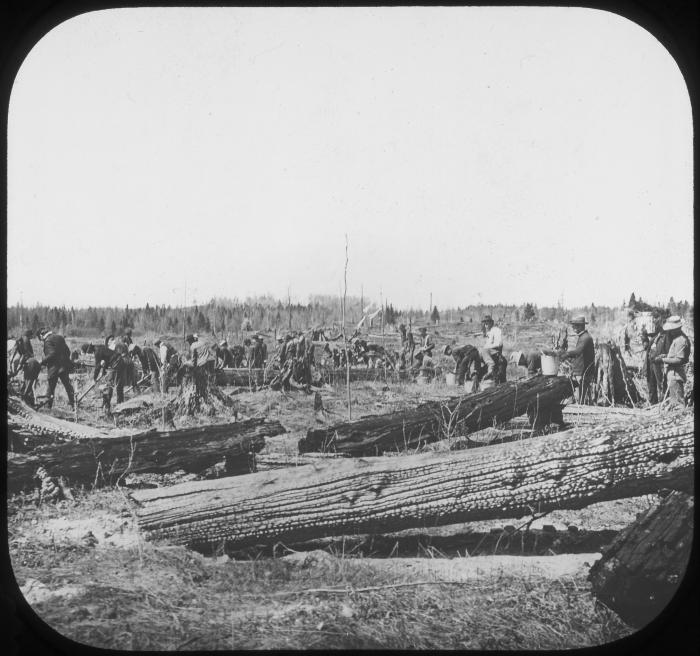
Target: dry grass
(143, 596)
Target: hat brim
(671, 326)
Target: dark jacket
(56, 355)
(583, 354)
(106, 355)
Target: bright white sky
(481, 154)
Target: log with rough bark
(570, 470)
(434, 420)
(642, 569)
(242, 376)
(104, 459)
(27, 428)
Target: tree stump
(643, 567)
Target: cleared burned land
(217, 531)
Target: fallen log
(642, 569)
(241, 376)
(434, 420)
(27, 428)
(103, 460)
(570, 470)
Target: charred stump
(642, 568)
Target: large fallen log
(434, 420)
(344, 496)
(104, 459)
(643, 567)
(27, 428)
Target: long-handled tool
(138, 382)
(82, 396)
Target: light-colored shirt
(678, 355)
(494, 338)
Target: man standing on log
(583, 356)
(58, 363)
(493, 347)
(675, 360)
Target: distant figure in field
(675, 360)
(202, 353)
(58, 363)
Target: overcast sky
(481, 154)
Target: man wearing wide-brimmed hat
(675, 360)
(583, 356)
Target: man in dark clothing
(23, 350)
(126, 338)
(583, 356)
(656, 347)
(31, 369)
(464, 357)
(150, 364)
(113, 364)
(58, 363)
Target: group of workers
(666, 353)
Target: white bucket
(449, 379)
(550, 365)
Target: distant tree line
(223, 316)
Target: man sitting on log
(493, 346)
(675, 360)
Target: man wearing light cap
(583, 356)
(675, 360)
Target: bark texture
(376, 495)
(641, 570)
(105, 459)
(27, 428)
(539, 396)
(241, 377)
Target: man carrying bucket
(583, 356)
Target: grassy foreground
(117, 591)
